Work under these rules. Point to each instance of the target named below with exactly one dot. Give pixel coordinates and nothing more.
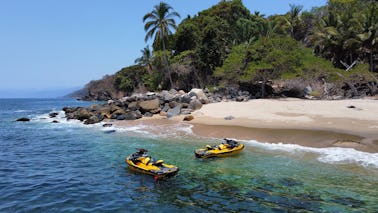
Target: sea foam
(334, 155)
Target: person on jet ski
(230, 143)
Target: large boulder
(149, 105)
(82, 113)
(106, 112)
(175, 111)
(200, 95)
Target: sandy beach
(314, 123)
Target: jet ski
(226, 148)
(140, 161)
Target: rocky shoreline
(166, 103)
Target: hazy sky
(50, 44)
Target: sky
(58, 45)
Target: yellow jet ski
(140, 161)
(226, 148)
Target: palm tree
(158, 25)
(146, 58)
(294, 19)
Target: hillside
(328, 52)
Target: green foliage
(137, 76)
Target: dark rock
(188, 118)
(107, 125)
(148, 114)
(69, 109)
(166, 108)
(92, 120)
(23, 119)
(53, 114)
(55, 121)
(185, 98)
(133, 115)
(351, 107)
(229, 117)
(122, 117)
(173, 104)
(175, 111)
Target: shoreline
(310, 123)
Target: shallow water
(72, 168)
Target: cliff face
(102, 90)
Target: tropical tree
(146, 58)
(158, 25)
(293, 19)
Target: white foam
(334, 155)
(22, 110)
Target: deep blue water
(69, 167)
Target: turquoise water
(69, 167)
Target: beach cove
(351, 123)
(70, 166)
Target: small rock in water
(351, 107)
(229, 117)
(23, 119)
(107, 125)
(55, 121)
(53, 114)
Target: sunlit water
(70, 167)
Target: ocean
(71, 167)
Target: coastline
(349, 123)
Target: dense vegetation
(228, 45)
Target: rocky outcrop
(166, 103)
(23, 119)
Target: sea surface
(71, 167)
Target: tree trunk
(167, 64)
(371, 61)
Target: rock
(229, 117)
(148, 114)
(107, 125)
(173, 91)
(23, 119)
(53, 114)
(69, 109)
(146, 106)
(55, 121)
(195, 104)
(82, 114)
(133, 106)
(175, 111)
(199, 93)
(106, 112)
(186, 98)
(133, 115)
(166, 108)
(188, 118)
(122, 117)
(351, 107)
(163, 113)
(93, 119)
(117, 113)
(167, 97)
